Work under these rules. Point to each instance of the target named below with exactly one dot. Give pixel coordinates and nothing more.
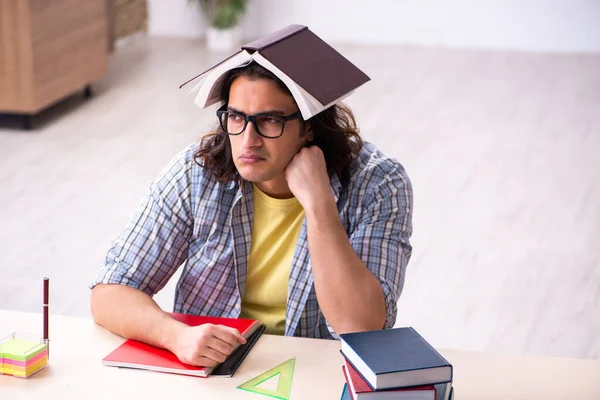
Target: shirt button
(237, 306)
(117, 259)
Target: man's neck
(276, 188)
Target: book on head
(138, 355)
(316, 74)
(395, 358)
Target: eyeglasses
(267, 125)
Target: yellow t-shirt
(275, 231)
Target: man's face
(259, 159)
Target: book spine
(267, 41)
(358, 371)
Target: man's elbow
(94, 304)
(373, 323)
(98, 303)
(376, 323)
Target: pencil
(45, 309)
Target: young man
(296, 223)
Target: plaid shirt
(188, 218)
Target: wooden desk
(78, 346)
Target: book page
(208, 93)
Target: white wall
(174, 18)
(532, 25)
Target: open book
(314, 72)
(134, 354)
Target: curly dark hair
(334, 131)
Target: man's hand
(206, 345)
(307, 178)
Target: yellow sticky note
(20, 349)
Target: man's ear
(308, 131)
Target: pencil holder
(22, 354)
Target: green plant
(222, 14)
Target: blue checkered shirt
(189, 220)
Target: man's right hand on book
(206, 345)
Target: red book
(134, 354)
(360, 389)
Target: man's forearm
(349, 295)
(131, 313)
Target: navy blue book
(395, 358)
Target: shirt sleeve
(381, 237)
(154, 243)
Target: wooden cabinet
(49, 49)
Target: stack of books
(394, 364)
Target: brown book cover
(274, 37)
(313, 64)
(297, 53)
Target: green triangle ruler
(284, 386)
